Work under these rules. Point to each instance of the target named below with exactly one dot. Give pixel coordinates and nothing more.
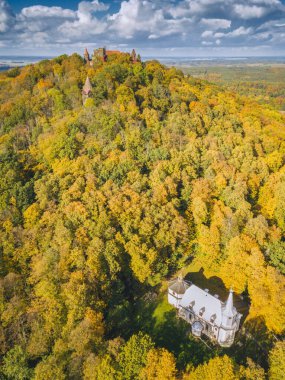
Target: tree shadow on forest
(253, 341)
(172, 333)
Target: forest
(265, 83)
(101, 204)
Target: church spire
(86, 90)
(229, 309)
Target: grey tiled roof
(179, 286)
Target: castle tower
(134, 56)
(86, 90)
(100, 55)
(87, 57)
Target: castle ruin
(102, 55)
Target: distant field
(264, 83)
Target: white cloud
(241, 31)
(42, 21)
(216, 23)
(86, 9)
(207, 43)
(265, 2)
(262, 36)
(74, 25)
(149, 23)
(136, 16)
(144, 16)
(207, 34)
(39, 11)
(6, 16)
(200, 6)
(78, 29)
(247, 12)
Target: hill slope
(101, 203)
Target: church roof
(87, 88)
(179, 286)
(203, 304)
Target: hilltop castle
(206, 313)
(102, 55)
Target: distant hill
(263, 81)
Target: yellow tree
(218, 368)
(160, 365)
(252, 371)
(277, 362)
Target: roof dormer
(202, 311)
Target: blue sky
(153, 27)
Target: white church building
(206, 313)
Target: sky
(157, 28)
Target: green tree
(276, 253)
(50, 368)
(15, 364)
(101, 369)
(133, 356)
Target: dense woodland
(265, 83)
(101, 204)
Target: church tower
(229, 311)
(230, 322)
(87, 90)
(176, 290)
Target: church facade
(205, 312)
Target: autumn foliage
(101, 203)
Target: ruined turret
(134, 56)
(87, 90)
(87, 57)
(99, 55)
